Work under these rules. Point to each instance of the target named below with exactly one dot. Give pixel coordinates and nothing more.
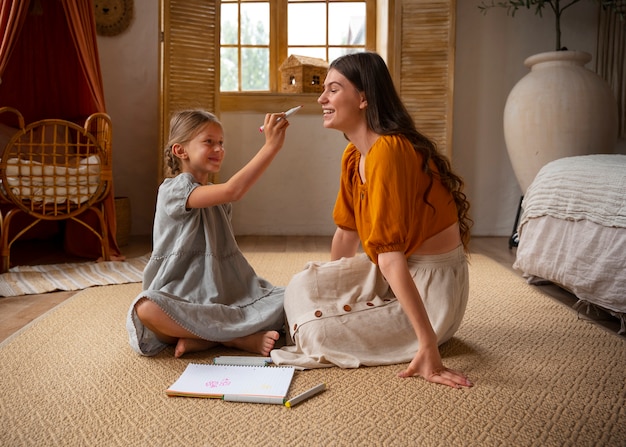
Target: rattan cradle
(54, 169)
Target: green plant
(557, 7)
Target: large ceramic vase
(559, 109)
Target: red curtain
(12, 16)
(50, 68)
(82, 25)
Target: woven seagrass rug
(543, 377)
(36, 279)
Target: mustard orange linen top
(388, 210)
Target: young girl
(400, 200)
(198, 289)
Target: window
(257, 36)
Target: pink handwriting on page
(217, 383)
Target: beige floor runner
(543, 377)
(29, 280)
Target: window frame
(256, 101)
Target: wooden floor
(17, 312)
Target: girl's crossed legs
(170, 332)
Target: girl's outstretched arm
(240, 183)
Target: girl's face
(342, 104)
(203, 155)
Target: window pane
(229, 70)
(335, 52)
(255, 68)
(306, 24)
(255, 23)
(319, 52)
(229, 24)
(324, 29)
(346, 24)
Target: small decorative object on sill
(303, 74)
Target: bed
(53, 170)
(572, 231)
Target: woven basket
(122, 219)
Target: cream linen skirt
(343, 313)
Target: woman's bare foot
(259, 343)
(186, 345)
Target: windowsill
(265, 102)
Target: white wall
(129, 64)
(297, 193)
(490, 54)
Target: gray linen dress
(198, 275)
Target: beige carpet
(542, 377)
(29, 280)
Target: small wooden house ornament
(303, 74)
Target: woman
(399, 200)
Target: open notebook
(236, 383)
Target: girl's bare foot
(186, 345)
(259, 343)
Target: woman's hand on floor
(427, 364)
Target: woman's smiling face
(341, 102)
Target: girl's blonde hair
(184, 126)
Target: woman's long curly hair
(387, 115)
(184, 126)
